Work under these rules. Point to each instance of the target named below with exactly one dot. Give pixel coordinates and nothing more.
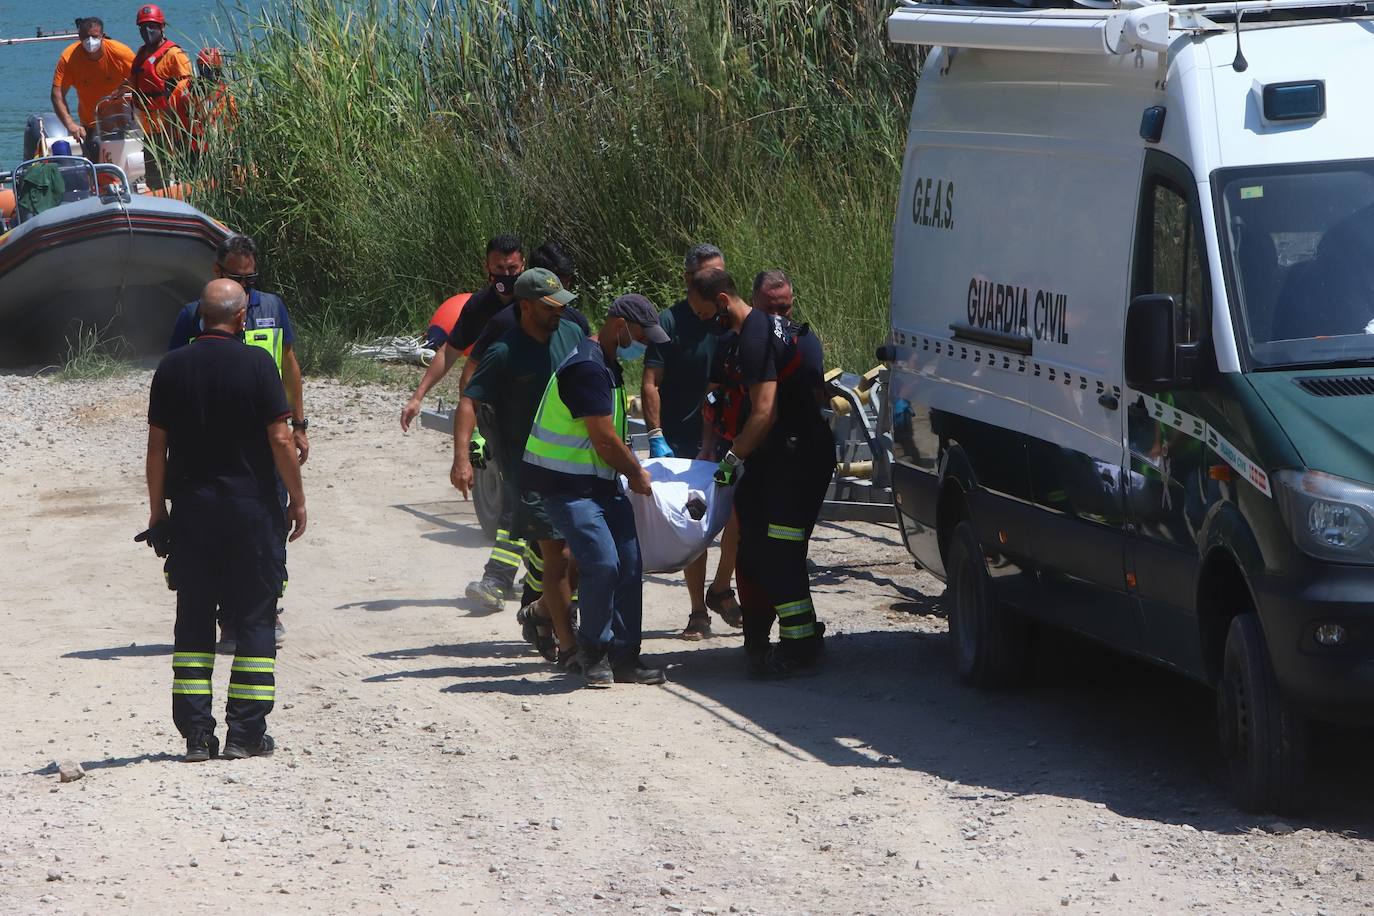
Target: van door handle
(1109, 401)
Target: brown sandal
(698, 626)
(731, 613)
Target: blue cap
(61, 148)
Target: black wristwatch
(301, 424)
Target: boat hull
(119, 269)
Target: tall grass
(380, 142)
(92, 354)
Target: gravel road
(427, 762)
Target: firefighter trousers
(226, 554)
(777, 502)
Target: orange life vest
(154, 91)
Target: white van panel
(990, 255)
(1340, 53)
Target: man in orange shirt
(159, 77)
(95, 66)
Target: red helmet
(150, 13)
(210, 58)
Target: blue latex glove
(658, 446)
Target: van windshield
(1299, 245)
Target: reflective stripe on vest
(560, 442)
(269, 339)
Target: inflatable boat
(89, 248)
(84, 254)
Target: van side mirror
(1155, 360)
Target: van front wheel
(988, 640)
(1263, 738)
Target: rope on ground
(395, 349)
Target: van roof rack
(1088, 26)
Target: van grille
(1336, 386)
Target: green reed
(380, 142)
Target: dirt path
(429, 763)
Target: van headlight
(1331, 518)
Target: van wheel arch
(950, 511)
(1223, 593)
(956, 479)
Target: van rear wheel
(1263, 738)
(987, 639)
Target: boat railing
(51, 181)
(115, 187)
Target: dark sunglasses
(241, 279)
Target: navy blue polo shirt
(265, 310)
(216, 399)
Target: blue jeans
(600, 532)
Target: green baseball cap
(542, 285)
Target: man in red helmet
(210, 105)
(159, 81)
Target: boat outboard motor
(41, 131)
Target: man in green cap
(512, 374)
(574, 457)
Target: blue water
(26, 70)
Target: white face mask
(91, 44)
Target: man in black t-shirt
(505, 262)
(676, 375)
(788, 457)
(216, 430)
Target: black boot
(596, 667)
(634, 671)
(201, 747)
(237, 749)
(756, 627)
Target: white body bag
(669, 538)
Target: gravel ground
(427, 762)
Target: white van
(1132, 350)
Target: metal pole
(41, 36)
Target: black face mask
(504, 283)
(147, 34)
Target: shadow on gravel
(512, 677)
(522, 687)
(491, 649)
(458, 519)
(842, 530)
(1089, 724)
(505, 669)
(115, 653)
(110, 763)
(392, 604)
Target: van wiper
(1347, 363)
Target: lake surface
(26, 70)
